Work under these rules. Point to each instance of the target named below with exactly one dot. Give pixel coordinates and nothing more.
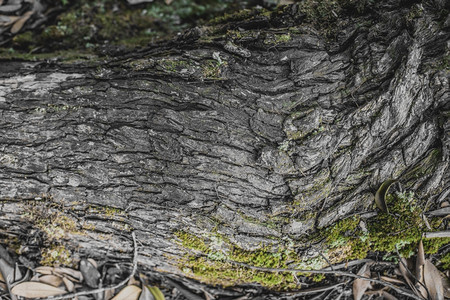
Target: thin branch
(347, 264)
(317, 289)
(341, 273)
(101, 290)
(437, 234)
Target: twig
(342, 273)
(318, 289)
(347, 264)
(101, 290)
(437, 234)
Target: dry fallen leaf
(433, 281)
(109, 294)
(387, 296)
(32, 289)
(19, 23)
(71, 274)
(392, 280)
(130, 292)
(133, 281)
(360, 285)
(44, 270)
(8, 20)
(93, 262)
(70, 286)
(53, 280)
(403, 267)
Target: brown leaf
(71, 274)
(93, 262)
(387, 296)
(70, 286)
(130, 292)
(53, 280)
(32, 289)
(134, 281)
(109, 294)
(360, 285)
(402, 265)
(433, 281)
(168, 2)
(44, 270)
(8, 20)
(392, 280)
(19, 23)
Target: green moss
(49, 216)
(191, 241)
(347, 239)
(212, 266)
(212, 69)
(445, 261)
(277, 39)
(56, 255)
(431, 246)
(107, 211)
(400, 229)
(65, 56)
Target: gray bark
(297, 134)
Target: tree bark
(262, 130)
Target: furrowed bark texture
(287, 128)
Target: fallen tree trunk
(252, 134)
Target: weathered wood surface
(280, 131)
